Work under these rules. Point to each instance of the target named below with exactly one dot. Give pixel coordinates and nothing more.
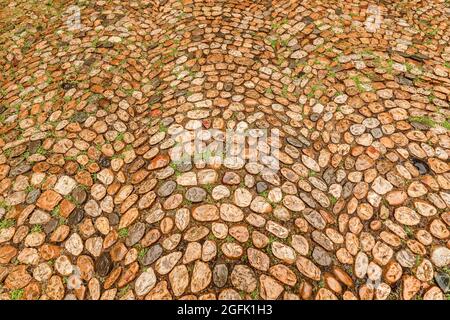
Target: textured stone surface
(114, 183)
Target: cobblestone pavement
(339, 191)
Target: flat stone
(153, 254)
(258, 259)
(145, 282)
(201, 276)
(207, 212)
(167, 188)
(166, 263)
(283, 252)
(74, 244)
(48, 200)
(443, 281)
(103, 265)
(242, 197)
(195, 194)
(243, 278)
(440, 256)
(381, 185)
(230, 213)
(220, 275)
(179, 279)
(308, 268)
(321, 256)
(260, 205)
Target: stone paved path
(95, 205)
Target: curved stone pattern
(114, 183)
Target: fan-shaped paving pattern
(95, 205)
